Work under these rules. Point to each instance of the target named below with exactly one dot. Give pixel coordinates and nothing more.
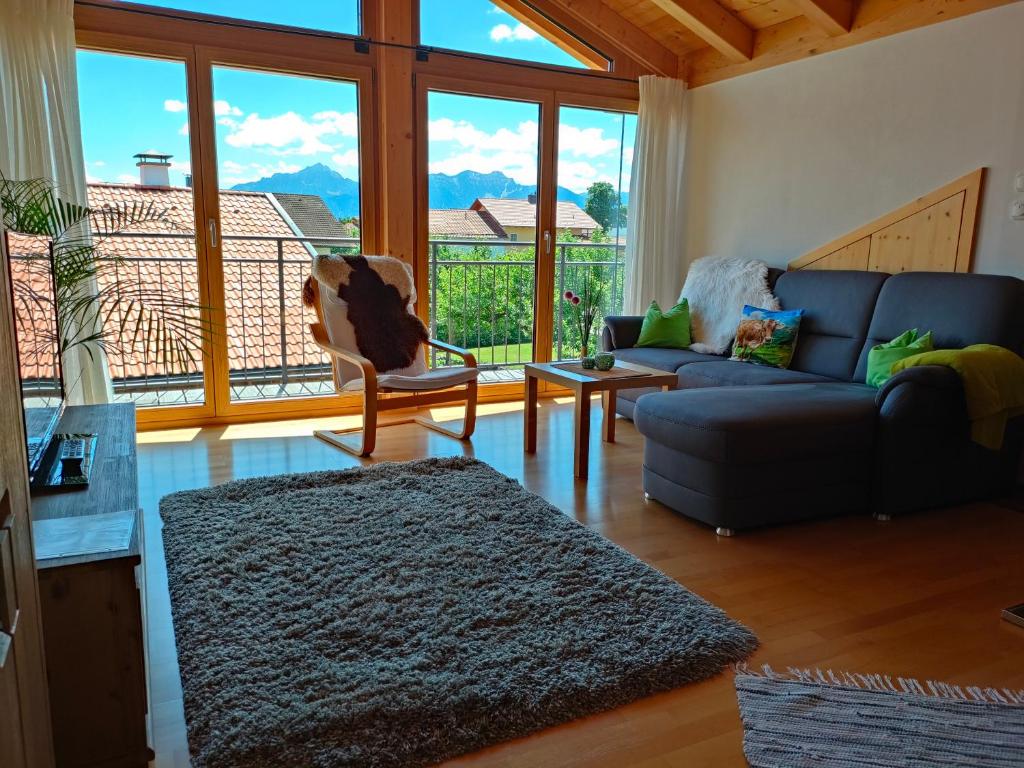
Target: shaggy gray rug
(401, 614)
(830, 720)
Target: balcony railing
(481, 297)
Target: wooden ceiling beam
(833, 16)
(611, 33)
(799, 38)
(714, 24)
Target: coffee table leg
(530, 416)
(581, 452)
(608, 396)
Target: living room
(512, 382)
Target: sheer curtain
(654, 248)
(40, 135)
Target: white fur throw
(716, 289)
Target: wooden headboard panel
(935, 233)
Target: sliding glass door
(523, 200)
(230, 171)
(139, 151)
(288, 185)
(595, 158)
(482, 163)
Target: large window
(288, 181)
(138, 161)
(480, 26)
(595, 160)
(482, 189)
(327, 15)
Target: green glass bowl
(589, 363)
(604, 361)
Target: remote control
(72, 453)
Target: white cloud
(183, 131)
(578, 176)
(343, 123)
(348, 159)
(502, 32)
(127, 178)
(174, 105)
(90, 179)
(290, 133)
(523, 139)
(512, 152)
(585, 142)
(97, 163)
(221, 107)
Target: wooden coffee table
(585, 383)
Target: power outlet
(1018, 182)
(1017, 209)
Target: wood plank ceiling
(710, 40)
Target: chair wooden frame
(377, 399)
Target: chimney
(188, 180)
(154, 170)
(531, 199)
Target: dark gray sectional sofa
(740, 445)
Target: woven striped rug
(827, 720)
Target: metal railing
(482, 296)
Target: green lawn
(513, 354)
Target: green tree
(604, 206)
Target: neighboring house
(518, 217)
(464, 224)
(254, 307)
(312, 218)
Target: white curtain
(654, 248)
(40, 135)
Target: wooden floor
(918, 596)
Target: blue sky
(269, 123)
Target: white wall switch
(1018, 182)
(1017, 209)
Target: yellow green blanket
(993, 380)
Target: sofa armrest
(927, 395)
(621, 331)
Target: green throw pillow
(666, 329)
(882, 357)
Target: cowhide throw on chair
(375, 296)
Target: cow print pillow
(766, 337)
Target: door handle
(547, 242)
(213, 233)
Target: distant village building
(492, 218)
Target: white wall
(782, 161)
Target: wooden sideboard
(89, 558)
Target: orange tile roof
(464, 222)
(517, 212)
(254, 304)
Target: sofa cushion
(761, 425)
(662, 359)
(959, 309)
(838, 306)
(727, 373)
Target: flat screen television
(37, 337)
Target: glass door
(595, 158)
(138, 146)
(286, 167)
(484, 223)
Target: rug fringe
(886, 684)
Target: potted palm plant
(95, 306)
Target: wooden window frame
(392, 129)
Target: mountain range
(341, 194)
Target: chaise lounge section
(739, 445)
